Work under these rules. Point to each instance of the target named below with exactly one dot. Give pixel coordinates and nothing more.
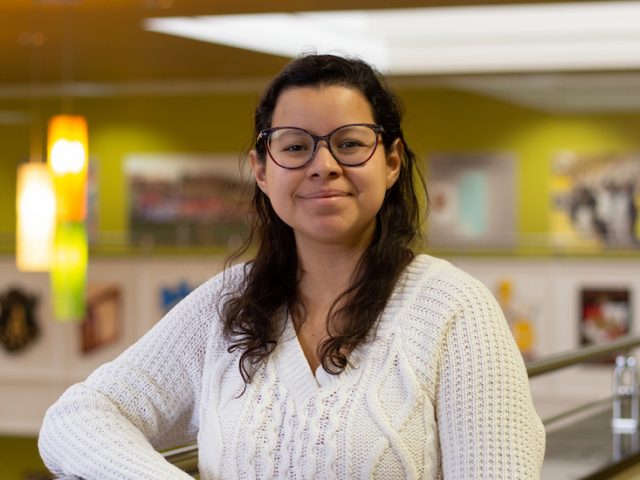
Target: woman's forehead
(321, 107)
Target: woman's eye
(294, 148)
(349, 144)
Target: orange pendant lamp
(67, 149)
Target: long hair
(252, 315)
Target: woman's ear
(394, 161)
(258, 169)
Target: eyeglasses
(293, 147)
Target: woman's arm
(110, 425)
(487, 424)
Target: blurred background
(525, 117)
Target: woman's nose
(323, 163)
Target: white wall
(32, 379)
(553, 286)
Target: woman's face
(325, 201)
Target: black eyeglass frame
(265, 134)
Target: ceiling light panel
(540, 37)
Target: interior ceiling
(46, 44)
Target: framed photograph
(472, 200)
(605, 314)
(101, 325)
(186, 200)
(19, 325)
(595, 200)
(170, 295)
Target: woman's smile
(324, 195)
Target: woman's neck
(327, 267)
(326, 271)
(324, 276)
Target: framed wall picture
(171, 294)
(186, 200)
(605, 314)
(595, 200)
(472, 200)
(19, 325)
(101, 325)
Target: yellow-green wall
(19, 459)
(445, 120)
(438, 120)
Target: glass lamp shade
(69, 272)
(36, 217)
(67, 148)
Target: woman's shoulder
(434, 296)
(218, 286)
(430, 294)
(438, 281)
(439, 298)
(228, 278)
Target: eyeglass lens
(350, 145)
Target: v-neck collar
(294, 370)
(293, 367)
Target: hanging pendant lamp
(36, 217)
(67, 148)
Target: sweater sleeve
(487, 424)
(110, 425)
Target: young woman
(336, 352)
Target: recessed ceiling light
(493, 38)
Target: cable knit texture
(439, 390)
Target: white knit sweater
(439, 391)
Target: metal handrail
(591, 352)
(186, 458)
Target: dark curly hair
(252, 315)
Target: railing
(592, 352)
(186, 458)
(604, 433)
